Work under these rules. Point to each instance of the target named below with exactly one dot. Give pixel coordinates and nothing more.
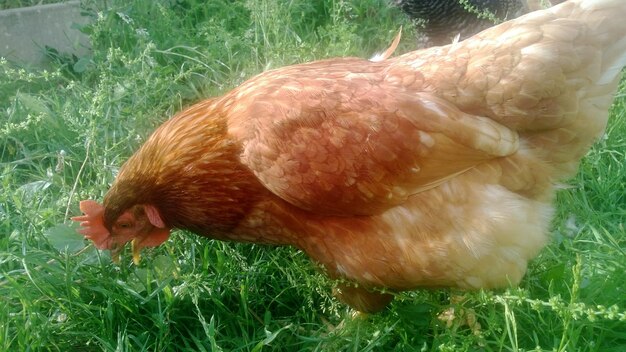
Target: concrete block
(24, 32)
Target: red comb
(92, 224)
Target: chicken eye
(124, 225)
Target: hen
(435, 168)
(445, 19)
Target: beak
(136, 248)
(136, 251)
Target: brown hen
(436, 168)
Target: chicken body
(435, 168)
(444, 19)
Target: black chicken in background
(443, 20)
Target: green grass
(65, 131)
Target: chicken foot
(362, 299)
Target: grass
(65, 131)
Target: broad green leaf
(64, 238)
(81, 65)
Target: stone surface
(25, 32)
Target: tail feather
(385, 55)
(606, 20)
